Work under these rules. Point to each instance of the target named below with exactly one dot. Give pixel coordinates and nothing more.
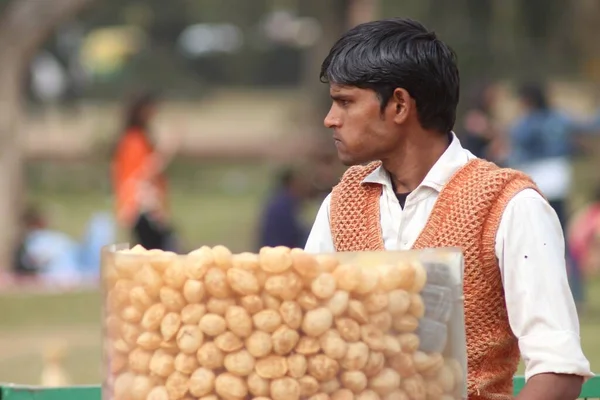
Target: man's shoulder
(357, 173)
(481, 179)
(491, 170)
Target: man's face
(361, 131)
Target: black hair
(31, 216)
(134, 117)
(399, 53)
(534, 94)
(286, 176)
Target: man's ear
(400, 105)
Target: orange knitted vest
(466, 215)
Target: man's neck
(409, 165)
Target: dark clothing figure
(152, 234)
(476, 144)
(281, 223)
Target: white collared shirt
(530, 248)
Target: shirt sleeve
(319, 239)
(530, 248)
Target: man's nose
(331, 121)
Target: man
(395, 88)
(281, 223)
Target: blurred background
(228, 94)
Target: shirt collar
(454, 158)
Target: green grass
(30, 312)
(211, 204)
(32, 322)
(83, 363)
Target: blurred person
(48, 254)
(100, 232)
(55, 257)
(25, 266)
(584, 237)
(281, 222)
(478, 132)
(139, 180)
(542, 144)
(411, 185)
(326, 173)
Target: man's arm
(319, 240)
(552, 386)
(531, 251)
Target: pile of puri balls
(281, 325)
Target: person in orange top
(138, 178)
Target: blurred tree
(24, 27)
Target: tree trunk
(10, 158)
(24, 26)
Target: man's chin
(349, 161)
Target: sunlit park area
(231, 91)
